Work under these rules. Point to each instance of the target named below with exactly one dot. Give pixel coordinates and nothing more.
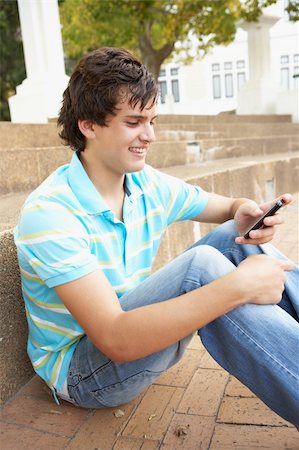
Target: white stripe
(58, 368)
(55, 326)
(137, 274)
(49, 236)
(73, 259)
(103, 237)
(40, 360)
(29, 274)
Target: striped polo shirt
(66, 231)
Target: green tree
(293, 10)
(154, 29)
(12, 66)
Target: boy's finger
(287, 265)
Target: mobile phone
(260, 222)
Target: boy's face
(122, 145)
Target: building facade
(212, 85)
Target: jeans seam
(186, 279)
(232, 251)
(262, 348)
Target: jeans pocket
(125, 391)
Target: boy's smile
(122, 145)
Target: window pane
(229, 87)
(240, 64)
(284, 78)
(241, 79)
(163, 90)
(216, 86)
(296, 77)
(174, 71)
(162, 73)
(215, 67)
(284, 59)
(175, 90)
(296, 58)
(228, 65)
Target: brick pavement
(195, 406)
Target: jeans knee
(207, 264)
(227, 229)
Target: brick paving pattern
(194, 406)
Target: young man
(101, 327)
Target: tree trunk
(151, 58)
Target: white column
(258, 95)
(39, 96)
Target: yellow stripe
(56, 367)
(30, 276)
(53, 329)
(45, 305)
(185, 209)
(141, 221)
(42, 362)
(170, 203)
(128, 285)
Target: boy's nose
(148, 134)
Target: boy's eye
(132, 124)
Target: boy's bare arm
(245, 212)
(125, 336)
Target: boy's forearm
(149, 329)
(220, 209)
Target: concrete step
(227, 130)
(20, 135)
(35, 164)
(23, 135)
(232, 176)
(219, 148)
(25, 168)
(14, 135)
(222, 118)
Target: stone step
(28, 135)
(35, 164)
(19, 135)
(222, 118)
(219, 148)
(225, 130)
(233, 176)
(15, 135)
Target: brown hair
(97, 84)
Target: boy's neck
(109, 185)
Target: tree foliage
(12, 67)
(293, 10)
(154, 29)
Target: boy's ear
(87, 128)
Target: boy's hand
(248, 213)
(262, 278)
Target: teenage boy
(101, 327)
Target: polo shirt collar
(87, 194)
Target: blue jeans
(258, 344)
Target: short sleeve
(181, 200)
(53, 244)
